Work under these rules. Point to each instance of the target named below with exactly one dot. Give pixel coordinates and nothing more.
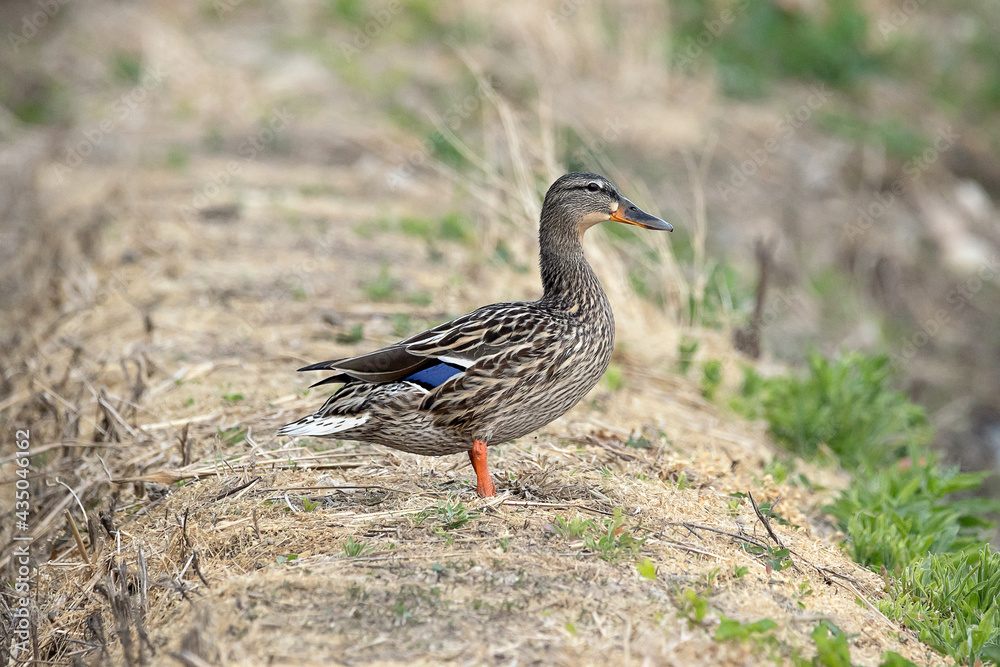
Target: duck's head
(582, 200)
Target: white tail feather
(313, 425)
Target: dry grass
(160, 362)
(134, 392)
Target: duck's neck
(569, 282)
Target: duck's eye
(593, 187)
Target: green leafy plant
(847, 405)
(455, 227)
(893, 659)
(733, 504)
(309, 505)
(909, 511)
(382, 288)
(613, 378)
(354, 548)
(774, 40)
(574, 528)
(421, 227)
(402, 612)
(127, 67)
(777, 469)
(831, 647)
(452, 515)
(692, 606)
(233, 435)
(711, 378)
(682, 481)
(614, 541)
(686, 350)
(402, 325)
(646, 569)
(896, 135)
(420, 298)
(766, 508)
(776, 559)
(903, 513)
(642, 442)
(951, 600)
(730, 629)
(356, 333)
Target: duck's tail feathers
(320, 426)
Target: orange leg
(484, 485)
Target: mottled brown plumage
(501, 371)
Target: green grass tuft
(686, 350)
(574, 528)
(764, 40)
(730, 629)
(895, 135)
(382, 288)
(909, 511)
(352, 336)
(453, 515)
(354, 548)
(900, 512)
(127, 67)
(950, 599)
(614, 378)
(711, 378)
(847, 405)
(692, 606)
(232, 436)
(614, 540)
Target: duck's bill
(631, 214)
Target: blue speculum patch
(435, 375)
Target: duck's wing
(385, 365)
(432, 356)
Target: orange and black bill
(631, 214)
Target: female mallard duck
(501, 371)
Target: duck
(499, 372)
